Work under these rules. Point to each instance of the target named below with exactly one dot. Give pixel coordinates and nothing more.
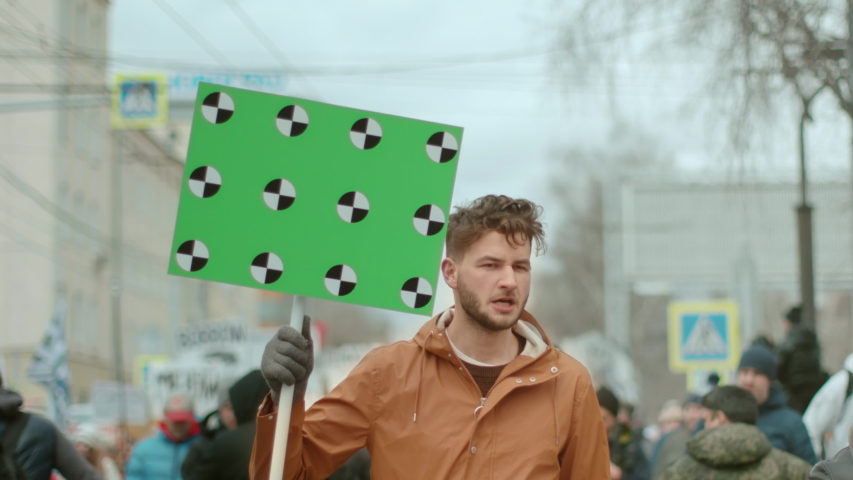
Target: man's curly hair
(517, 219)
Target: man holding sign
(480, 392)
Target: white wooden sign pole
(285, 402)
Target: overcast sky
(515, 112)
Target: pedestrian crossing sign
(703, 335)
(139, 101)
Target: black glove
(289, 359)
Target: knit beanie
(608, 401)
(761, 359)
(795, 314)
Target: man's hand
(615, 472)
(289, 359)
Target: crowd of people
(219, 446)
(785, 418)
(479, 392)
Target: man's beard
(475, 311)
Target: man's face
(83, 449)
(755, 382)
(226, 414)
(608, 419)
(714, 418)
(179, 430)
(491, 281)
(692, 414)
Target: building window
(92, 326)
(80, 27)
(62, 125)
(79, 212)
(64, 203)
(81, 131)
(96, 138)
(95, 36)
(95, 224)
(78, 313)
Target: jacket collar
(537, 342)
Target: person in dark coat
(673, 444)
(626, 457)
(731, 447)
(228, 456)
(216, 422)
(837, 468)
(41, 447)
(800, 372)
(782, 425)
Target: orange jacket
(418, 411)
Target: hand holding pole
(285, 402)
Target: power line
(197, 37)
(267, 43)
(60, 213)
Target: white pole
(285, 402)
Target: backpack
(10, 469)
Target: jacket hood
(431, 338)
(10, 402)
(247, 395)
(729, 446)
(800, 337)
(848, 363)
(775, 401)
(527, 327)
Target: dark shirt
(485, 377)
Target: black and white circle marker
(442, 147)
(266, 268)
(192, 255)
(416, 292)
(204, 182)
(353, 207)
(429, 220)
(279, 194)
(365, 133)
(341, 280)
(218, 107)
(292, 121)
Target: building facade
(86, 213)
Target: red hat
(179, 408)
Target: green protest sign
(314, 199)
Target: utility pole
(849, 51)
(804, 226)
(115, 287)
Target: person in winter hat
(800, 372)
(830, 413)
(161, 456)
(626, 456)
(228, 455)
(673, 445)
(731, 447)
(781, 424)
(214, 423)
(90, 444)
(40, 447)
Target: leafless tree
(763, 50)
(570, 294)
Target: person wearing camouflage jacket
(731, 447)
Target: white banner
(106, 400)
(202, 382)
(203, 335)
